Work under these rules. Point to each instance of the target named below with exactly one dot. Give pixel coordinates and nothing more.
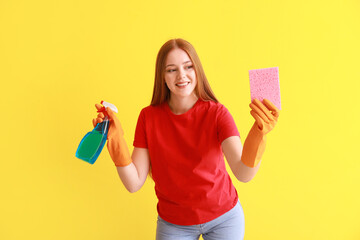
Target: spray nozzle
(107, 105)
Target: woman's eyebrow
(174, 64)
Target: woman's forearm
(134, 175)
(254, 147)
(129, 177)
(252, 152)
(245, 173)
(235, 154)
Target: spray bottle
(93, 142)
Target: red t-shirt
(187, 162)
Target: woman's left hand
(265, 114)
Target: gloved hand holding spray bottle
(93, 142)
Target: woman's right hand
(116, 144)
(100, 117)
(115, 129)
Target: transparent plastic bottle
(93, 142)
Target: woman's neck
(180, 105)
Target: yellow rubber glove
(266, 116)
(116, 144)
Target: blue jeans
(229, 226)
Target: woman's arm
(132, 170)
(245, 162)
(232, 149)
(133, 176)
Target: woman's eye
(173, 70)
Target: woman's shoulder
(152, 109)
(215, 109)
(211, 105)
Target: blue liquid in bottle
(93, 142)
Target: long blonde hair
(161, 92)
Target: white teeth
(182, 84)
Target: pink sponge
(264, 83)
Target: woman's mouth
(182, 84)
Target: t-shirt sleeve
(226, 126)
(140, 139)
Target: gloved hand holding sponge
(266, 116)
(116, 144)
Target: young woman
(181, 140)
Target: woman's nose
(182, 77)
(182, 74)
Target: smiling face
(180, 76)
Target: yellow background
(59, 58)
